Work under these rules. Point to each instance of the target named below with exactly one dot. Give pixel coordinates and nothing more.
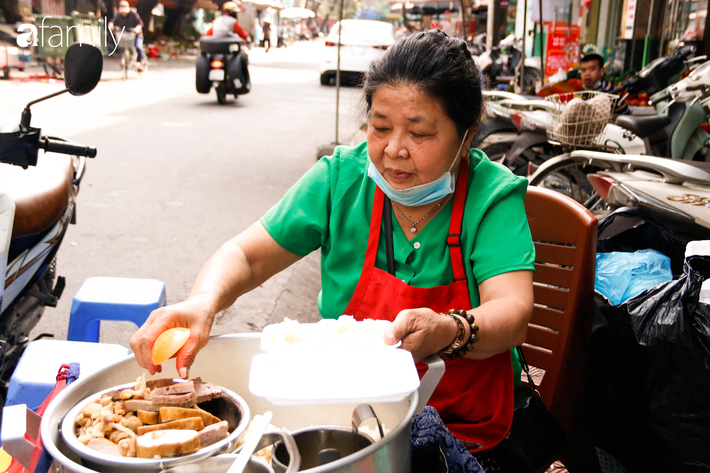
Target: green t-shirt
(331, 205)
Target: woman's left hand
(422, 331)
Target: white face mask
(422, 194)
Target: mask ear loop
(458, 153)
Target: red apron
(475, 397)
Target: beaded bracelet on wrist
(459, 340)
(455, 350)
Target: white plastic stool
(36, 372)
(102, 298)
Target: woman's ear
(469, 137)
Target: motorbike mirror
(83, 65)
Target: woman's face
(410, 138)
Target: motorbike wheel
(569, 177)
(237, 68)
(221, 93)
(202, 74)
(530, 78)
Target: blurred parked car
(361, 42)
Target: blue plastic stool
(36, 372)
(123, 299)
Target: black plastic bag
(649, 376)
(647, 233)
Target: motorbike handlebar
(662, 98)
(63, 147)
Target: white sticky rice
(345, 332)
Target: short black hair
(437, 64)
(593, 57)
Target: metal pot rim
(370, 449)
(68, 423)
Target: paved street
(177, 175)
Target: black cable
(389, 243)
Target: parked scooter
(524, 151)
(569, 173)
(675, 132)
(675, 193)
(477, 44)
(675, 135)
(222, 64)
(37, 204)
(504, 112)
(502, 64)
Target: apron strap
(454, 238)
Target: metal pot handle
(294, 455)
(430, 380)
(225, 461)
(17, 421)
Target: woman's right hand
(196, 313)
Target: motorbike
(37, 204)
(477, 44)
(222, 64)
(504, 112)
(664, 184)
(673, 133)
(675, 193)
(502, 64)
(526, 149)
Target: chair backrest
(565, 236)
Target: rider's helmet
(230, 8)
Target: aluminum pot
(226, 361)
(229, 407)
(318, 446)
(222, 463)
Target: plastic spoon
(248, 449)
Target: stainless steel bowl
(319, 446)
(229, 407)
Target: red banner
(562, 48)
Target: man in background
(128, 19)
(592, 72)
(227, 25)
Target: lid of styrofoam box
(700, 248)
(333, 376)
(331, 362)
(697, 248)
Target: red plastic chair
(557, 344)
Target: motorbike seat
(41, 193)
(643, 126)
(219, 45)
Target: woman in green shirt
(410, 224)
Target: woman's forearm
(502, 325)
(240, 265)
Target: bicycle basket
(127, 40)
(578, 118)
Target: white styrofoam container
(700, 248)
(333, 376)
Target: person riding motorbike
(227, 25)
(127, 19)
(592, 72)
